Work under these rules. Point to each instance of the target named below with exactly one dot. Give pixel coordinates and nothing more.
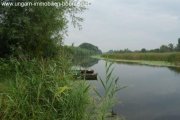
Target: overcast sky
(133, 24)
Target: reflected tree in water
(84, 61)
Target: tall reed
(107, 100)
(42, 90)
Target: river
(152, 93)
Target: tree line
(163, 48)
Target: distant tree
(155, 50)
(110, 51)
(143, 50)
(171, 47)
(164, 48)
(137, 51)
(127, 50)
(90, 47)
(178, 45)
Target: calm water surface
(153, 93)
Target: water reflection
(88, 62)
(175, 69)
(153, 93)
(84, 61)
(168, 117)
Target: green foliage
(37, 88)
(79, 52)
(35, 31)
(83, 50)
(178, 45)
(165, 48)
(143, 50)
(90, 47)
(42, 90)
(171, 47)
(107, 100)
(120, 51)
(169, 57)
(84, 62)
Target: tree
(35, 31)
(171, 47)
(178, 45)
(127, 50)
(143, 50)
(164, 48)
(110, 51)
(90, 47)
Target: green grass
(156, 59)
(45, 90)
(41, 90)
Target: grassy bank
(41, 90)
(45, 90)
(155, 59)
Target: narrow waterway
(153, 93)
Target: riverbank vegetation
(110, 87)
(167, 57)
(163, 48)
(83, 50)
(164, 56)
(41, 89)
(36, 82)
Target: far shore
(142, 62)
